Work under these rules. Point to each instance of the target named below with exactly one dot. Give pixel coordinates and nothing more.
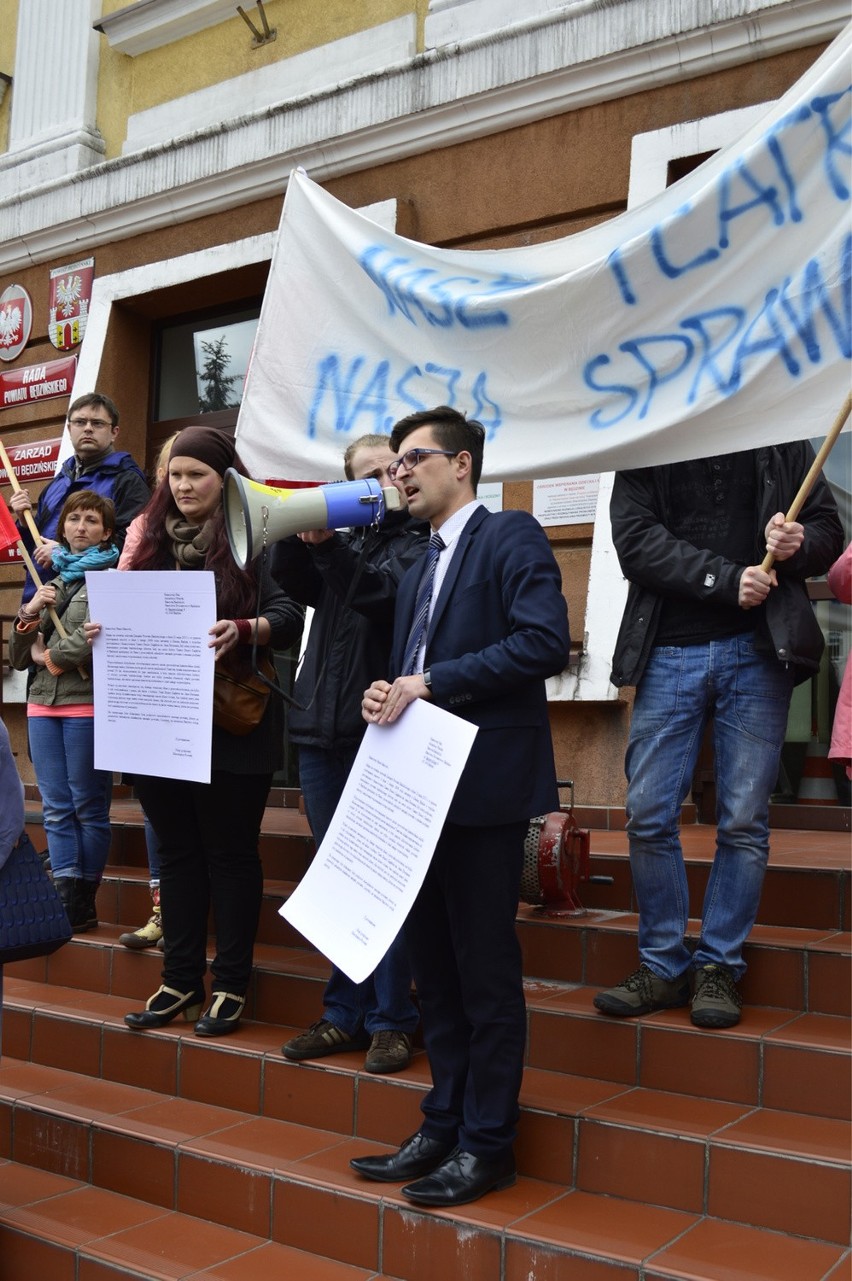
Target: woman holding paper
(151, 933)
(209, 832)
(60, 716)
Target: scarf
(190, 543)
(72, 566)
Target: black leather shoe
(463, 1177)
(222, 1016)
(417, 1156)
(166, 1004)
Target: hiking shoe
(323, 1038)
(716, 1002)
(389, 1051)
(148, 935)
(642, 992)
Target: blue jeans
(383, 1000)
(76, 796)
(748, 696)
(152, 845)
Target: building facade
(156, 138)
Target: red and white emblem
(16, 321)
(70, 293)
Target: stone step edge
(606, 920)
(291, 1257)
(585, 1116)
(544, 1195)
(543, 997)
(786, 862)
(539, 992)
(253, 1037)
(584, 1252)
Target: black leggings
(208, 834)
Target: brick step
(60, 1228)
(792, 899)
(779, 1170)
(647, 1148)
(808, 882)
(774, 1058)
(779, 1059)
(792, 968)
(271, 1178)
(286, 844)
(124, 899)
(807, 969)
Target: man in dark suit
(494, 627)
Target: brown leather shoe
(323, 1038)
(390, 1051)
(417, 1156)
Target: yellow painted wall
(127, 85)
(8, 37)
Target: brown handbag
(239, 697)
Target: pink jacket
(840, 582)
(132, 539)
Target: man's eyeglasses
(89, 422)
(410, 459)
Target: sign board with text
(31, 462)
(26, 385)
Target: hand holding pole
(28, 560)
(16, 488)
(814, 470)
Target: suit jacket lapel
(452, 574)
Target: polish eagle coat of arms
(16, 321)
(70, 294)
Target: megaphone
(258, 514)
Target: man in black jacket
(707, 632)
(350, 579)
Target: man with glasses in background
(95, 464)
(480, 623)
(350, 579)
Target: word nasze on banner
(37, 382)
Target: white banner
(713, 318)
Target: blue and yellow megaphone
(257, 514)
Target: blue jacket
(498, 630)
(115, 476)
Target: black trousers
(466, 961)
(208, 834)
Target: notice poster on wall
(566, 500)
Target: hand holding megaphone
(257, 514)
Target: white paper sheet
(153, 672)
(566, 500)
(366, 874)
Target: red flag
(9, 532)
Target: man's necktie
(421, 605)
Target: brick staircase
(647, 1149)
